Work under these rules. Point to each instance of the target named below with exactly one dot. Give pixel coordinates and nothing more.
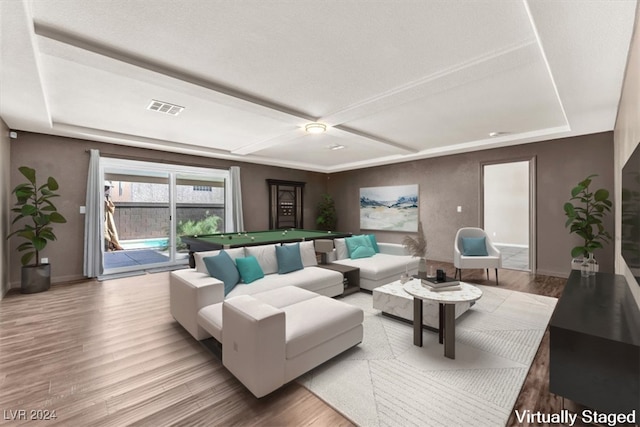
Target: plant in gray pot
(585, 211)
(34, 206)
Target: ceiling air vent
(165, 107)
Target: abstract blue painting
(393, 208)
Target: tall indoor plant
(585, 211)
(33, 204)
(327, 217)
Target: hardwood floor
(109, 353)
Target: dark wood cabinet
(594, 355)
(286, 204)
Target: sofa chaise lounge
(276, 327)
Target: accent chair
(473, 249)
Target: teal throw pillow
(374, 243)
(356, 241)
(249, 269)
(289, 258)
(474, 246)
(223, 268)
(362, 252)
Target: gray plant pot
(35, 278)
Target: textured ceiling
(393, 80)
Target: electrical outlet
(44, 260)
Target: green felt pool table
(208, 242)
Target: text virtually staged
(569, 418)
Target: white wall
(506, 202)
(626, 137)
(5, 193)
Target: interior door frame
(532, 202)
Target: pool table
(209, 242)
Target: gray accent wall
(445, 183)
(451, 181)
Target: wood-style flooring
(109, 353)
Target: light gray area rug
(387, 381)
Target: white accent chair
(493, 259)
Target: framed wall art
(392, 208)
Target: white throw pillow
(266, 256)
(198, 256)
(307, 253)
(341, 249)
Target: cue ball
(283, 233)
(253, 238)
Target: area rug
(387, 381)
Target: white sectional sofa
(382, 268)
(275, 328)
(192, 289)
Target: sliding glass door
(148, 206)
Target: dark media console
(594, 355)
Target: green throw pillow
(374, 243)
(474, 246)
(289, 258)
(249, 269)
(362, 252)
(223, 268)
(356, 241)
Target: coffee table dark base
(446, 326)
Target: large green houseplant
(585, 211)
(327, 217)
(34, 205)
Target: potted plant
(34, 205)
(417, 247)
(585, 211)
(327, 216)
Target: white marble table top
(467, 293)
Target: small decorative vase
(593, 265)
(422, 268)
(584, 267)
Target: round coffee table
(447, 312)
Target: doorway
(153, 206)
(508, 211)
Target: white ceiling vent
(165, 107)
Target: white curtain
(236, 199)
(92, 219)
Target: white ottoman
(392, 299)
(272, 337)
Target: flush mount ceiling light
(315, 127)
(496, 134)
(165, 107)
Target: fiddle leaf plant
(34, 205)
(585, 211)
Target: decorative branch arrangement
(417, 246)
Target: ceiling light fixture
(315, 127)
(496, 134)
